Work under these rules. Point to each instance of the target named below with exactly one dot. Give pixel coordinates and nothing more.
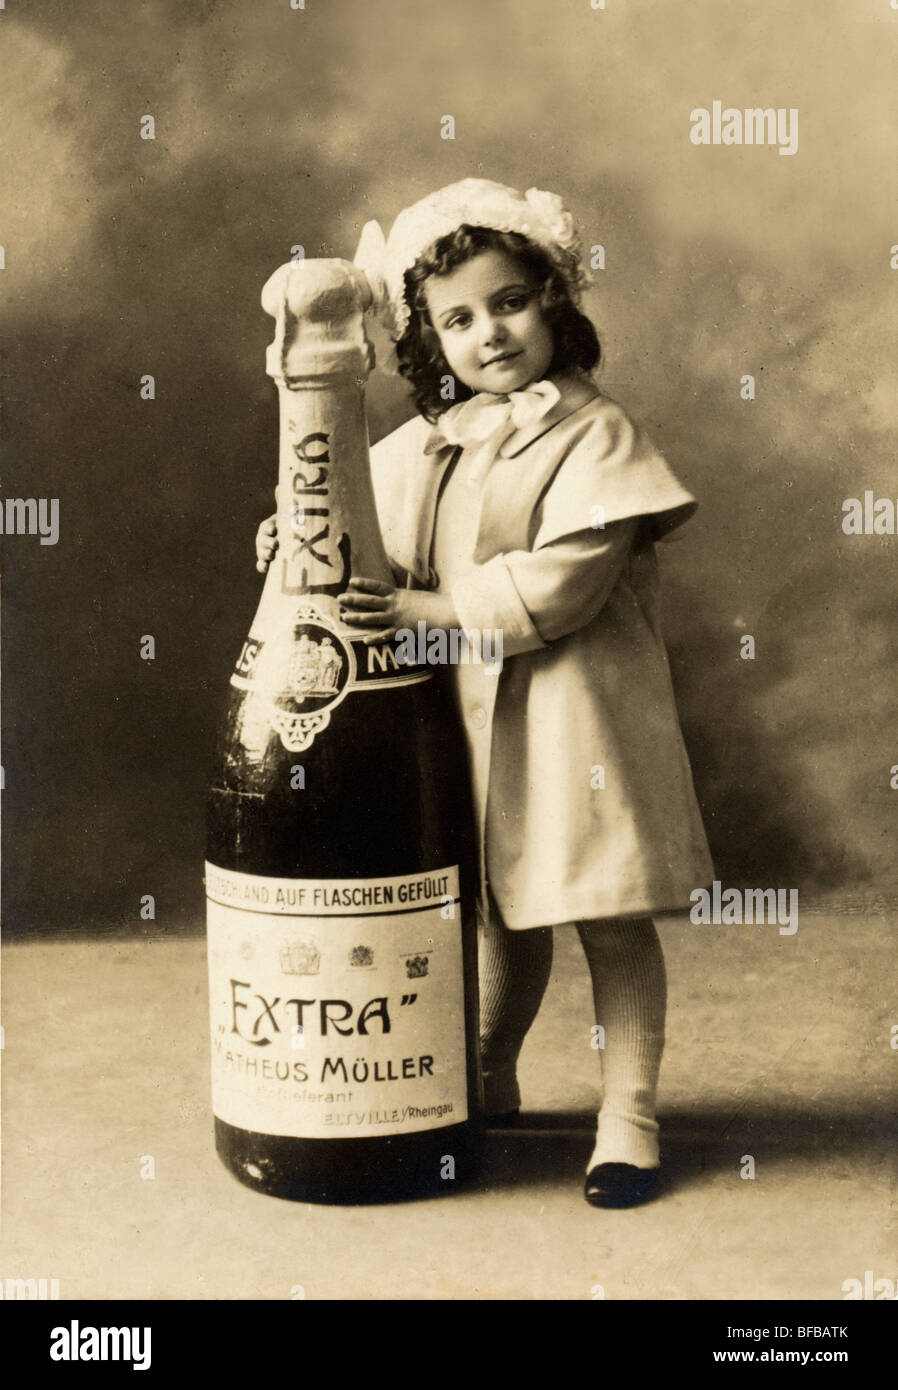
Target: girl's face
(488, 319)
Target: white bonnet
(536, 214)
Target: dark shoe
(619, 1185)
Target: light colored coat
(587, 807)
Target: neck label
(301, 675)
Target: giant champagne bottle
(339, 874)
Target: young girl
(524, 503)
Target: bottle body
(343, 962)
(340, 853)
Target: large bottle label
(337, 1004)
(307, 670)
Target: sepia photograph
(449, 707)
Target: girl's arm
(368, 602)
(531, 596)
(537, 596)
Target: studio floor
(779, 1048)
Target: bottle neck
(328, 530)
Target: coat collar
(576, 389)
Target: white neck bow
(484, 415)
(485, 421)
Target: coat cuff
(488, 600)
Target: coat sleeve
(611, 471)
(611, 492)
(533, 597)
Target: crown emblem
(300, 958)
(416, 967)
(361, 955)
(315, 668)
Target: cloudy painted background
(276, 127)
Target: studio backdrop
(745, 296)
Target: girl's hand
(372, 603)
(266, 543)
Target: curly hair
(420, 356)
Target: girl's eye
(514, 302)
(458, 321)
